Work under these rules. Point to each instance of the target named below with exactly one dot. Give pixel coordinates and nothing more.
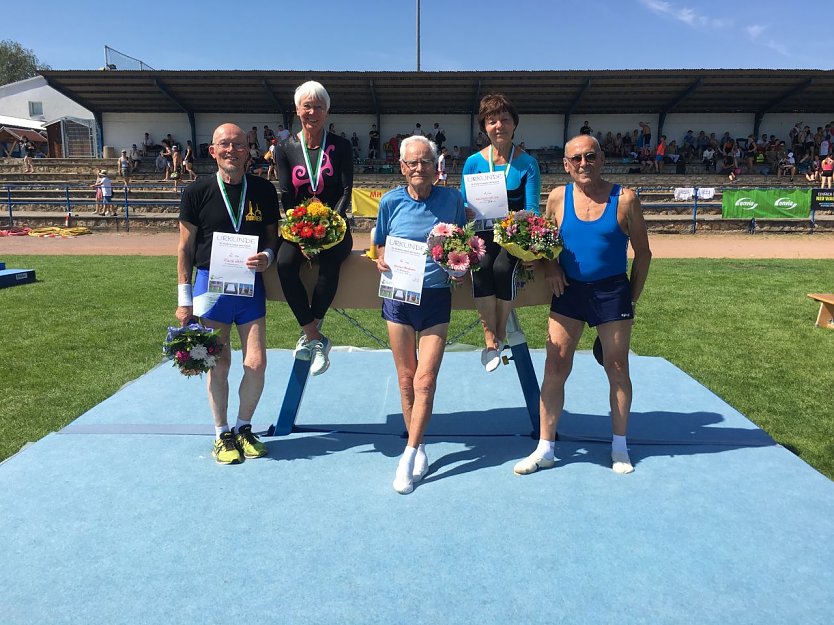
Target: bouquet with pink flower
(528, 236)
(456, 249)
(194, 348)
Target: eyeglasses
(576, 159)
(425, 162)
(230, 145)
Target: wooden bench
(825, 318)
(358, 288)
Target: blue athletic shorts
(228, 308)
(435, 308)
(597, 302)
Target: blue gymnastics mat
(124, 517)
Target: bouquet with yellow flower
(528, 236)
(314, 226)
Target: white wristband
(184, 297)
(270, 256)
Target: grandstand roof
(538, 92)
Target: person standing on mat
(319, 164)
(596, 220)
(411, 212)
(230, 202)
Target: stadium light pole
(418, 35)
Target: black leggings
(329, 261)
(497, 273)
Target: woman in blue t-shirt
(494, 283)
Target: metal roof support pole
(475, 106)
(570, 109)
(378, 116)
(669, 107)
(189, 113)
(777, 101)
(757, 122)
(100, 134)
(193, 123)
(285, 117)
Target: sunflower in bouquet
(458, 250)
(528, 236)
(193, 348)
(314, 226)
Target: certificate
(486, 194)
(228, 273)
(403, 282)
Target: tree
(17, 62)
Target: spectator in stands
(645, 134)
(271, 171)
(728, 168)
(608, 144)
(689, 140)
(703, 143)
(750, 152)
(106, 193)
(708, 158)
(441, 168)
(161, 163)
(480, 140)
(252, 137)
(826, 172)
(646, 159)
(494, 283)
(636, 141)
(439, 135)
(813, 173)
(170, 140)
(166, 153)
(586, 129)
(28, 155)
(418, 130)
(176, 166)
(148, 145)
(354, 144)
(627, 145)
(618, 144)
(135, 158)
(660, 154)
(394, 146)
(97, 209)
(763, 143)
(283, 133)
(590, 285)
(188, 160)
(455, 158)
(808, 142)
(269, 135)
(787, 166)
(319, 165)
(672, 155)
(332, 129)
(410, 212)
(824, 147)
(373, 143)
(124, 168)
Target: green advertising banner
(766, 203)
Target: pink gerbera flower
(478, 247)
(458, 261)
(437, 253)
(443, 230)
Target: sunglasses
(590, 157)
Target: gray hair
(315, 90)
(418, 139)
(597, 147)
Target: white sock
(240, 423)
(219, 430)
(618, 443)
(546, 449)
(421, 459)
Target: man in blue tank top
(596, 220)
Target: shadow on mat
(495, 437)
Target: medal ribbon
(236, 219)
(315, 177)
(492, 162)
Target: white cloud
(685, 14)
(755, 30)
(778, 47)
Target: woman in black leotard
(320, 164)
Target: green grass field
(743, 328)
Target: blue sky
(379, 35)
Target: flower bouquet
(194, 348)
(528, 236)
(314, 226)
(456, 249)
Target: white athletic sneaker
(302, 348)
(403, 482)
(621, 463)
(320, 349)
(491, 358)
(533, 463)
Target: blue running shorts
(228, 308)
(597, 302)
(435, 308)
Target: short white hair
(418, 139)
(315, 90)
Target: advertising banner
(822, 199)
(766, 203)
(366, 201)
